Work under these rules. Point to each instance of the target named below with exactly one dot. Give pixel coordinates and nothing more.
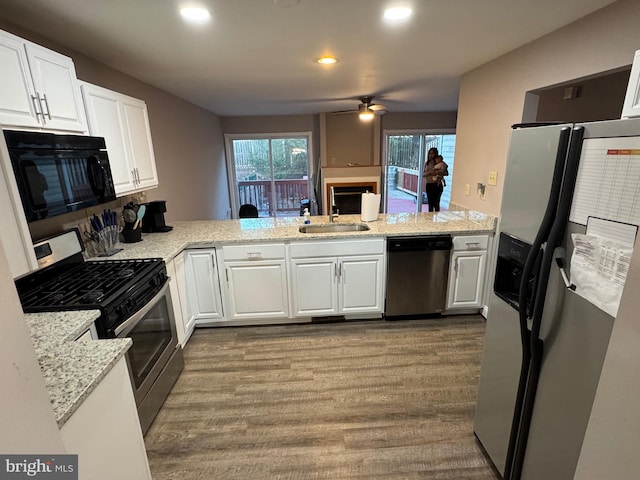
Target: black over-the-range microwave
(59, 174)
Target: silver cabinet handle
(138, 176)
(254, 255)
(46, 102)
(36, 101)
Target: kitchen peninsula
(211, 233)
(264, 270)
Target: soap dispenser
(307, 219)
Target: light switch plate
(493, 178)
(467, 190)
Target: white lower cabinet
(255, 279)
(204, 302)
(337, 277)
(105, 431)
(467, 272)
(177, 286)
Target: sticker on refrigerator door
(599, 270)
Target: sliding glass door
(404, 157)
(269, 172)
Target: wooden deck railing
(289, 194)
(407, 181)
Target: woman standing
(434, 172)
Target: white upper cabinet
(144, 162)
(105, 118)
(38, 87)
(124, 123)
(631, 107)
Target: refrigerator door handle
(559, 225)
(563, 273)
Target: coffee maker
(153, 220)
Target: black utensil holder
(132, 236)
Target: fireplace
(347, 197)
(349, 183)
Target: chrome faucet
(333, 212)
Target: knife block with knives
(102, 234)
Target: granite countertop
(211, 233)
(71, 369)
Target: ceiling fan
(366, 110)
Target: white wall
(27, 421)
(492, 96)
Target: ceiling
(257, 57)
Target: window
(404, 157)
(269, 171)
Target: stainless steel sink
(334, 227)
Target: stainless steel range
(134, 300)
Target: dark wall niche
(584, 100)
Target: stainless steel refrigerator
(545, 344)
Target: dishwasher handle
(419, 244)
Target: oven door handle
(142, 312)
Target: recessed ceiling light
(397, 13)
(195, 14)
(327, 60)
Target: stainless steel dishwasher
(417, 275)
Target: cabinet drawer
(258, 251)
(332, 249)
(471, 242)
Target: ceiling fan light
(364, 113)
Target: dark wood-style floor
(350, 400)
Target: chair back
(248, 211)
